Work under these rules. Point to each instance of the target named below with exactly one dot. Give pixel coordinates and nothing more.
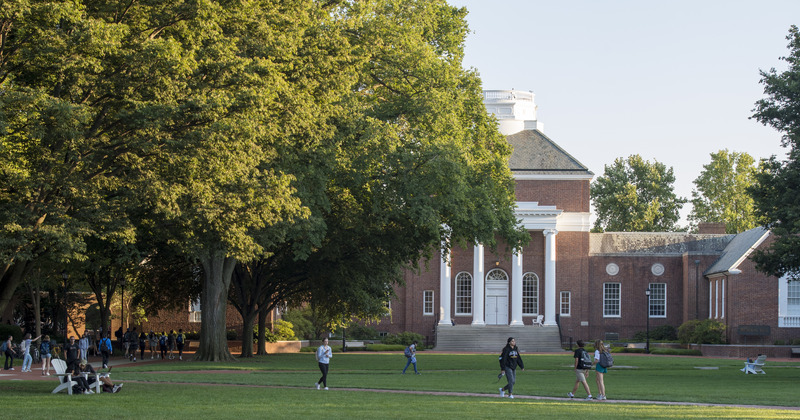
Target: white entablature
(532, 216)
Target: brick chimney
(711, 228)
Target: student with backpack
(583, 362)
(411, 355)
(44, 351)
(105, 349)
(8, 348)
(604, 361)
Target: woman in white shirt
(324, 355)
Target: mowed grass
(281, 385)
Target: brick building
(587, 285)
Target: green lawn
(647, 378)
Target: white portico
(493, 295)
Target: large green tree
(417, 161)
(635, 195)
(776, 191)
(721, 195)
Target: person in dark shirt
(510, 358)
(71, 352)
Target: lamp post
(65, 276)
(647, 344)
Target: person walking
(599, 348)
(8, 349)
(142, 344)
(44, 351)
(27, 360)
(180, 339)
(153, 339)
(171, 344)
(83, 345)
(510, 358)
(583, 362)
(105, 349)
(324, 355)
(133, 345)
(411, 357)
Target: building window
(788, 303)
(427, 302)
(464, 294)
(658, 300)
(195, 314)
(530, 294)
(611, 300)
(565, 303)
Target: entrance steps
(492, 338)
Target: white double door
(496, 303)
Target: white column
(478, 291)
(550, 276)
(516, 289)
(444, 289)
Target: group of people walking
(162, 345)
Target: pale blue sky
(670, 80)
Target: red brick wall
(567, 195)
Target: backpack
(44, 348)
(586, 360)
(407, 351)
(179, 339)
(104, 345)
(606, 360)
(162, 340)
(4, 346)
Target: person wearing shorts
(581, 372)
(600, 347)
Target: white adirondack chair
(538, 321)
(754, 367)
(64, 378)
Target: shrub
(404, 338)
(707, 331)
(282, 331)
(660, 333)
(779, 343)
(385, 347)
(678, 352)
(796, 342)
(302, 324)
(231, 335)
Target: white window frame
(654, 299)
(427, 301)
(788, 303)
(611, 299)
(463, 293)
(528, 294)
(568, 302)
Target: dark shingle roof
(535, 154)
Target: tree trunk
(247, 335)
(12, 278)
(36, 301)
(218, 270)
(262, 330)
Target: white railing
(789, 322)
(499, 95)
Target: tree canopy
(635, 195)
(775, 194)
(721, 192)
